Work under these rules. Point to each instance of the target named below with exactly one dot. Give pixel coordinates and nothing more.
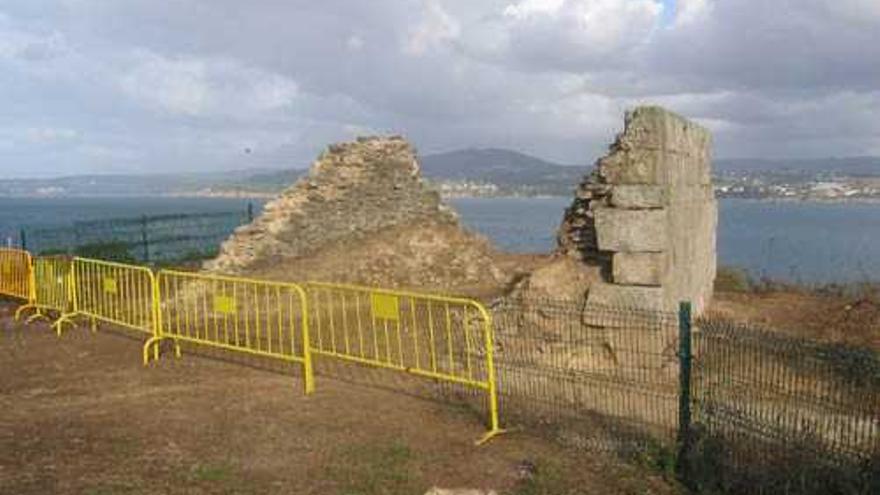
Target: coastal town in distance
(491, 172)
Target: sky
(147, 86)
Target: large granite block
(630, 230)
(638, 196)
(638, 268)
(626, 296)
(647, 214)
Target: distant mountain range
(509, 172)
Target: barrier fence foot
(94, 325)
(153, 344)
(36, 316)
(59, 323)
(489, 436)
(21, 309)
(150, 342)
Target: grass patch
(546, 478)
(211, 472)
(732, 279)
(375, 469)
(658, 458)
(115, 251)
(113, 488)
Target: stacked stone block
(647, 215)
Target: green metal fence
(777, 414)
(147, 238)
(606, 376)
(735, 409)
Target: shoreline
(267, 196)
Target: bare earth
(848, 320)
(81, 415)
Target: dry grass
(81, 415)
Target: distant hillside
(498, 166)
(510, 171)
(487, 171)
(120, 184)
(867, 166)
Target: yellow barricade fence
(115, 293)
(52, 289)
(447, 339)
(237, 314)
(16, 274)
(443, 338)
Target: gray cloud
(96, 86)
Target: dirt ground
(852, 319)
(81, 415)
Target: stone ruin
(640, 232)
(362, 215)
(638, 238)
(641, 229)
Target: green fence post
(22, 237)
(684, 393)
(250, 212)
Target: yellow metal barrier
(115, 293)
(237, 314)
(52, 287)
(444, 338)
(16, 274)
(447, 339)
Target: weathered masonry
(362, 215)
(647, 215)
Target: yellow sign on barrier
(444, 338)
(53, 287)
(110, 285)
(237, 314)
(224, 305)
(113, 293)
(16, 275)
(385, 306)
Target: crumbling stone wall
(647, 215)
(364, 215)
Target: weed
(657, 457)
(211, 472)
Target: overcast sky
(117, 86)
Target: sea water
(795, 241)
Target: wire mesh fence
(767, 413)
(777, 414)
(607, 376)
(154, 238)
